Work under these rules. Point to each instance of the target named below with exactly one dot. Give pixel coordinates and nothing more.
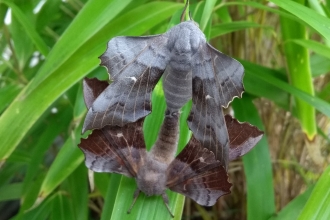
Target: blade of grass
(70, 41)
(111, 196)
(316, 102)
(257, 165)
(226, 28)
(314, 46)
(320, 65)
(67, 160)
(35, 37)
(258, 5)
(318, 22)
(294, 208)
(23, 111)
(317, 206)
(78, 192)
(46, 139)
(207, 13)
(61, 208)
(297, 59)
(11, 192)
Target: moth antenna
(184, 11)
(165, 199)
(135, 196)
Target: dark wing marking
(115, 149)
(196, 174)
(242, 137)
(92, 88)
(100, 156)
(135, 65)
(112, 149)
(216, 80)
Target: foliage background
(48, 47)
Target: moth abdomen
(166, 144)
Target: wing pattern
(112, 148)
(216, 80)
(243, 137)
(135, 65)
(115, 149)
(197, 174)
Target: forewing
(242, 137)
(220, 72)
(196, 174)
(135, 65)
(216, 80)
(115, 149)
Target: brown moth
(195, 172)
(191, 69)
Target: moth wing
(216, 80)
(242, 137)
(92, 88)
(135, 65)
(115, 149)
(196, 174)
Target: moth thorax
(151, 179)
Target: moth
(191, 69)
(194, 172)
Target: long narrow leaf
(297, 59)
(23, 110)
(315, 20)
(317, 206)
(35, 37)
(316, 102)
(257, 166)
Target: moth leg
(165, 199)
(135, 196)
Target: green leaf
(257, 165)
(297, 59)
(314, 46)
(320, 65)
(70, 41)
(27, 25)
(78, 193)
(145, 207)
(62, 206)
(67, 160)
(265, 89)
(317, 206)
(207, 12)
(80, 64)
(11, 192)
(316, 102)
(254, 4)
(45, 139)
(11, 91)
(315, 20)
(226, 28)
(293, 209)
(111, 196)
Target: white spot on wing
(201, 159)
(132, 78)
(119, 135)
(208, 97)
